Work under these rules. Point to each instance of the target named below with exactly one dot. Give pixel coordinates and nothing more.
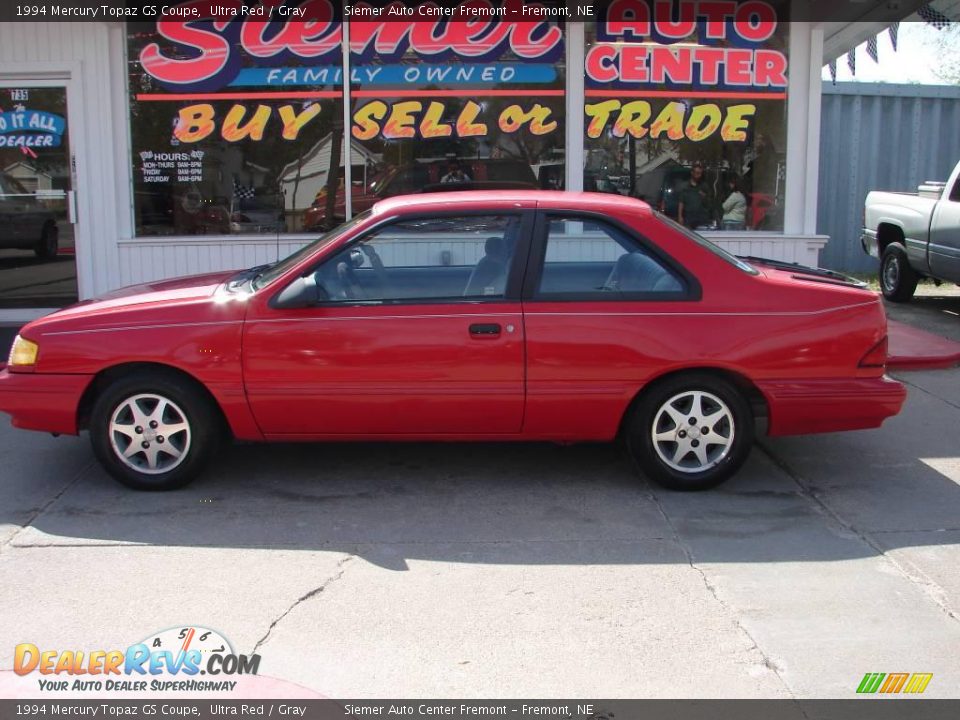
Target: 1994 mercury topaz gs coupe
(466, 316)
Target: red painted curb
(914, 349)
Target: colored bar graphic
(870, 682)
(918, 682)
(894, 682)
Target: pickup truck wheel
(153, 431)
(691, 432)
(898, 281)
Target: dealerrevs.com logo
(170, 660)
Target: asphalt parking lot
(511, 570)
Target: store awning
(867, 18)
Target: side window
(587, 257)
(428, 259)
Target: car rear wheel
(154, 431)
(898, 281)
(48, 244)
(690, 432)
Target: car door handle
(485, 329)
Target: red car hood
(162, 292)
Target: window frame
(512, 289)
(692, 291)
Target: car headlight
(23, 352)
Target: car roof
(551, 199)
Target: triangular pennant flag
(934, 17)
(852, 62)
(894, 30)
(833, 71)
(872, 49)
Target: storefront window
(37, 252)
(451, 105)
(236, 124)
(686, 108)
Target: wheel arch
(113, 373)
(887, 234)
(758, 402)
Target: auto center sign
(644, 45)
(645, 52)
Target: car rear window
(707, 245)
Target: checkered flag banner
(852, 61)
(934, 17)
(833, 70)
(872, 49)
(242, 192)
(894, 30)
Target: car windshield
(400, 181)
(707, 245)
(274, 271)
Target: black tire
(186, 404)
(898, 281)
(48, 244)
(719, 460)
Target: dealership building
(167, 145)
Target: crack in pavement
(6, 544)
(712, 590)
(913, 575)
(303, 598)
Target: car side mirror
(301, 293)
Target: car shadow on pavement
(798, 499)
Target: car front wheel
(690, 432)
(153, 431)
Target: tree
(947, 46)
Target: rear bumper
(868, 241)
(800, 407)
(38, 401)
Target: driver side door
(418, 331)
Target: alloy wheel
(693, 431)
(150, 433)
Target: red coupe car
(528, 315)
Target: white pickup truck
(914, 235)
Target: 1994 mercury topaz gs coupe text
(522, 315)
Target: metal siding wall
(878, 137)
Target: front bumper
(40, 401)
(801, 407)
(868, 241)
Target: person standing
(734, 207)
(694, 208)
